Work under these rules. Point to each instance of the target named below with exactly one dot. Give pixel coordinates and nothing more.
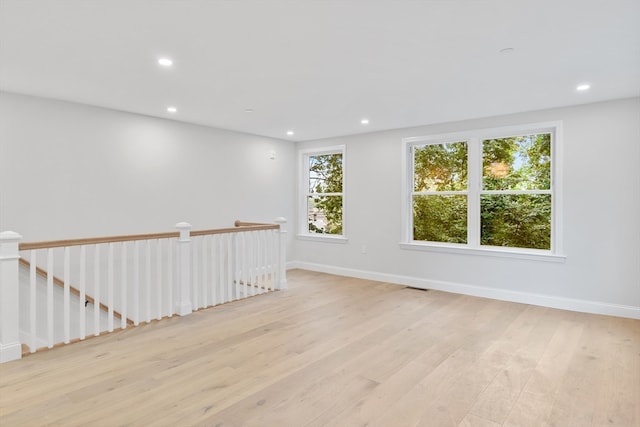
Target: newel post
(183, 305)
(282, 254)
(10, 347)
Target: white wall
(69, 170)
(601, 210)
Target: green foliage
(517, 163)
(516, 221)
(329, 210)
(441, 167)
(325, 177)
(440, 218)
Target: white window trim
(303, 182)
(473, 247)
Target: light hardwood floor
(334, 351)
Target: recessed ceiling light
(248, 110)
(289, 132)
(172, 109)
(364, 121)
(165, 62)
(583, 87)
(507, 50)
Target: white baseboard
(10, 351)
(551, 301)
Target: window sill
(531, 255)
(323, 238)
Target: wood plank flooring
(340, 352)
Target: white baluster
(231, 268)
(252, 261)
(246, 262)
(110, 289)
(197, 271)
(256, 263)
(237, 267)
(205, 281)
(159, 279)
(268, 253)
(136, 283)
(67, 298)
(32, 301)
(221, 269)
(195, 295)
(10, 347)
(148, 276)
(242, 267)
(245, 254)
(265, 260)
(225, 249)
(50, 298)
(268, 250)
(96, 291)
(282, 255)
(184, 306)
(276, 257)
(215, 269)
(243, 258)
(262, 261)
(83, 295)
(222, 265)
(259, 261)
(123, 286)
(253, 244)
(274, 241)
(170, 279)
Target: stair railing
(120, 281)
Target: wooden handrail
(241, 227)
(59, 282)
(239, 223)
(95, 240)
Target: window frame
(304, 193)
(474, 139)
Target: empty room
(279, 213)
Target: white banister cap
(10, 235)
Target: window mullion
(323, 194)
(474, 165)
(516, 192)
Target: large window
(490, 189)
(322, 195)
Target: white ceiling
(319, 66)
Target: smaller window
(322, 195)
